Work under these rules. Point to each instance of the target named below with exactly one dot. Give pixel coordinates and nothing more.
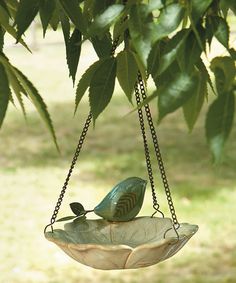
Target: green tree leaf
(154, 5)
(73, 45)
(225, 5)
(1, 38)
(141, 67)
(194, 105)
(103, 21)
(176, 92)
(232, 53)
(154, 59)
(85, 82)
(46, 10)
(218, 27)
(142, 31)
(38, 102)
(171, 50)
(169, 19)
(5, 93)
(4, 6)
(233, 6)
(127, 71)
(102, 86)
(209, 29)
(65, 25)
(119, 30)
(198, 8)
(4, 22)
(73, 50)
(55, 19)
(222, 32)
(203, 69)
(12, 6)
(29, 8)
(98, 7)
(17, 87)
(225, 72)
(102, 45)
(74, 12)
(191, 51)
(13, 81)
(219, 123)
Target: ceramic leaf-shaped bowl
(121, 245)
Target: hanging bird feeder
(119, 239)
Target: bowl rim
(192, 229)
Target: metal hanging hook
(175, 228)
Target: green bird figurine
(124, 201)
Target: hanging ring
(156, 208)
(175, 227)
(162, 214)
(47, 227)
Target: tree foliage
(164, 39)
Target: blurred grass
(32, 174)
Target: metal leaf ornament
(124, 201)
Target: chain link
(76, 155)
(74, 160)
(157, 152)
(156, 206)
(114, 46)
(139, 85)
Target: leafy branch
(164, 39)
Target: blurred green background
(32, 174)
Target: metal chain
(156, 206)
(157, 152)
(74, 160)
(114, 46)
(76, 155)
